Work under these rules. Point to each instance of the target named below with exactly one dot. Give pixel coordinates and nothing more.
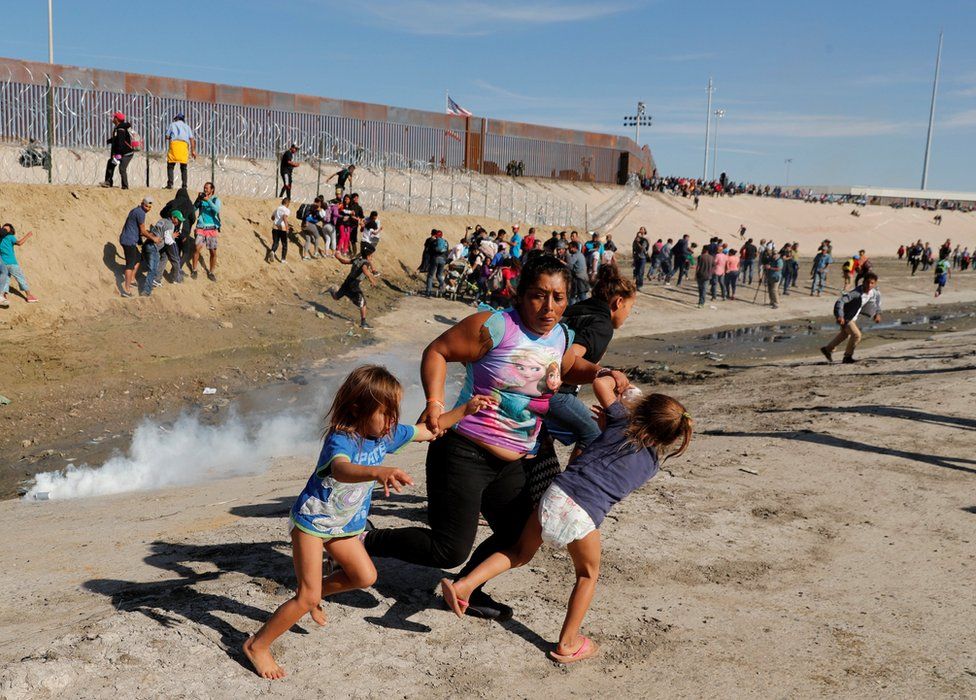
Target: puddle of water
(695, 353)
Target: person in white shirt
(372, 229)
(280, 230)
(182, 145)
(865, 297)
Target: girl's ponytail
(609, 284)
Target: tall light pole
(719, 113)
(928, 139)
(788, 162)
(708, 123)
(642, 118)
(50, 32)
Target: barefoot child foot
(318, 614)
(331, 511)
(262, 660)
(569, 514)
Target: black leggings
(279, 236)
(463, 479)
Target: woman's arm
(20, 241)
(448, 419)
(576, 370)
(467, 341)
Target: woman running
(518, 356)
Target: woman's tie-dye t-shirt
(521, 371)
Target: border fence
(55, 121)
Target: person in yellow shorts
(182, 147)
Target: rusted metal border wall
(240, 122)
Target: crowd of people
(484, 266)
(947, 259)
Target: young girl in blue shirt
(330, 513)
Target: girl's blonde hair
(658, 421)
(366, 390)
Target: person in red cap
(120, 144)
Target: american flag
(456, 109)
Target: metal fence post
(50, 130)
(277, 160)
(430, 201)
(145, 134)
(409, 186)
(318, 177)
(470, 184)
(213, 146)
(383, 207)
(451, 202)
(486, 197)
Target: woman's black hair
(539, 265)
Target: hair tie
(686, 415)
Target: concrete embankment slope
(878, 230)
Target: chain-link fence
(58, 133)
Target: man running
(864, 297)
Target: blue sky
(842, 88)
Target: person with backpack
(122, 145)
(437, 262)
(311, 218)
(9, 267)
(502, 283)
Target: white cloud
(472, 17)
(959, 120)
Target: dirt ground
(816, 540)
(842, 567)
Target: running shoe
(827, 353)
(848, 360)
(193, 274)
(31, 299)
(212, 277)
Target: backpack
(496, 282)
(440, 246)
(135, 140)
(303, 211)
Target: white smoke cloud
(191, 451)
(186, 453)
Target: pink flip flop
(587, 650)
(458, 605)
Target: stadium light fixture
(642, 118)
